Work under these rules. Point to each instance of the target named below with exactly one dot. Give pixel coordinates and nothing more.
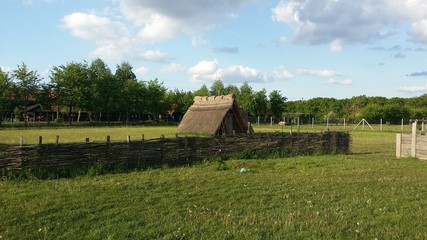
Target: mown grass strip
(365, 195)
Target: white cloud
(336, 45)
(141, 71)
(344, 82)
(159, 27)
(281, 74)
(239, 74)
(6, 69)
(146, 21)
(198, 40)
(161, 20)
(208, 71)
(418, 31)
(154, 56)
(347, 81)
(413, 89)
(331, 81)
(89, 26)
(205, 68)
(174, 67)
(319, 73)
(111, 38)
(328, 21)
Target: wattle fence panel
(169, 151)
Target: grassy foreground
(366, 195)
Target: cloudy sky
(304, 48)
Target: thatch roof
(208, 115)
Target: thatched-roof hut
(216, 115)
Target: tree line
(94, 89)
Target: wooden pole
(108, 139)
(87, 140)
(142, 137)
(128, 139)
(381, 124)
(21, 140)
(57, 140)
(414, 139)
(401, 128)
(40, 140)
(398, 145)
(249, 127)
(344, 123)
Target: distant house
(215, 115)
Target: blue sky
(304, 48)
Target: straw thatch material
(215, 115)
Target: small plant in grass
(222, 165)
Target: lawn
(368, 194)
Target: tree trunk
(69, 115)
(127, 117)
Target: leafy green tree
(246, 98)
(106, 87)
(6, 86)
(156, 99)
(27, 83)
(127, 84)
(180, 100)
(373, 112)
(134, 94)
(124, 72)
(231, 89)
(277, 104)
(203, 91)
(217, 88)
(260, 103)
(73, 86)
(395, 113)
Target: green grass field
(368, 194)
(99, 134)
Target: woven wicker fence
(169, 151)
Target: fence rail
(167, 151)
(412, 145)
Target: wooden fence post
(128, 139)
(40, 140)
(21, 140)
(414, 140)
(108, 139)
(87, 140)
(57, 140)
(162, 139)
(399, 145)
(249, 127)
(142, 138)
